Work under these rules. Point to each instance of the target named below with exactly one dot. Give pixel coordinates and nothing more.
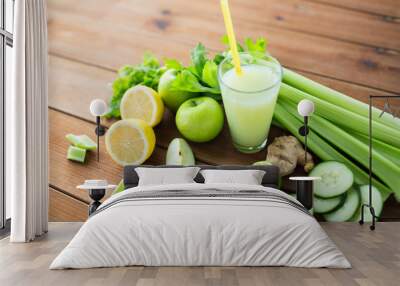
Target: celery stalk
(388, 151)
(384, 169)
(325, 151)
(343, 117)
(325, 93)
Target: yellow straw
(231, 35)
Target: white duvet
(200, 231)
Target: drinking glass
(249, 98)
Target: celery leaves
(147, 73)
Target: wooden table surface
(350, 45)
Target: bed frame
(270, 179)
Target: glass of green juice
(249, 98)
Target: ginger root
(286, 152)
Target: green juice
(249, 102)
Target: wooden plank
(299, 15)
(126, 32)
(296, 15)
(72, 86)
(322, 20)
(65, 174)
(66, 208)
(389, 8)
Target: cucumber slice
(76, 154)
(81, 141)
(336, 179)
(347, 210)
(323, 206)
(377, 202)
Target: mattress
(201, 225)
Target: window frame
(6, 39)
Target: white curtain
(26, 125)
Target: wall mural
(208, 104)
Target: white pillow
(164, 176)
(248, 177)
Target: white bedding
(200, 231)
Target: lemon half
(142, 102)
(130, 141)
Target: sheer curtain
(27, 128)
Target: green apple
(200, 119)
(172, 99)
(179, 153)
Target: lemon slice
(130, 141)
(142, 102)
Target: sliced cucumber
(377, 202)
(347, 210)
(76, 154)
(336, 179)
(327, 205)
(81, 141)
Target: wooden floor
(375, 257)
(350, 45)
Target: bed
(201, 224)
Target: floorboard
(375, 258)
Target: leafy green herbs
(202, 75)
(257, 48)
(173, 64)
(199, 77)
(147, 73)
(187, 81)
(210, 74)
(199, 59)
